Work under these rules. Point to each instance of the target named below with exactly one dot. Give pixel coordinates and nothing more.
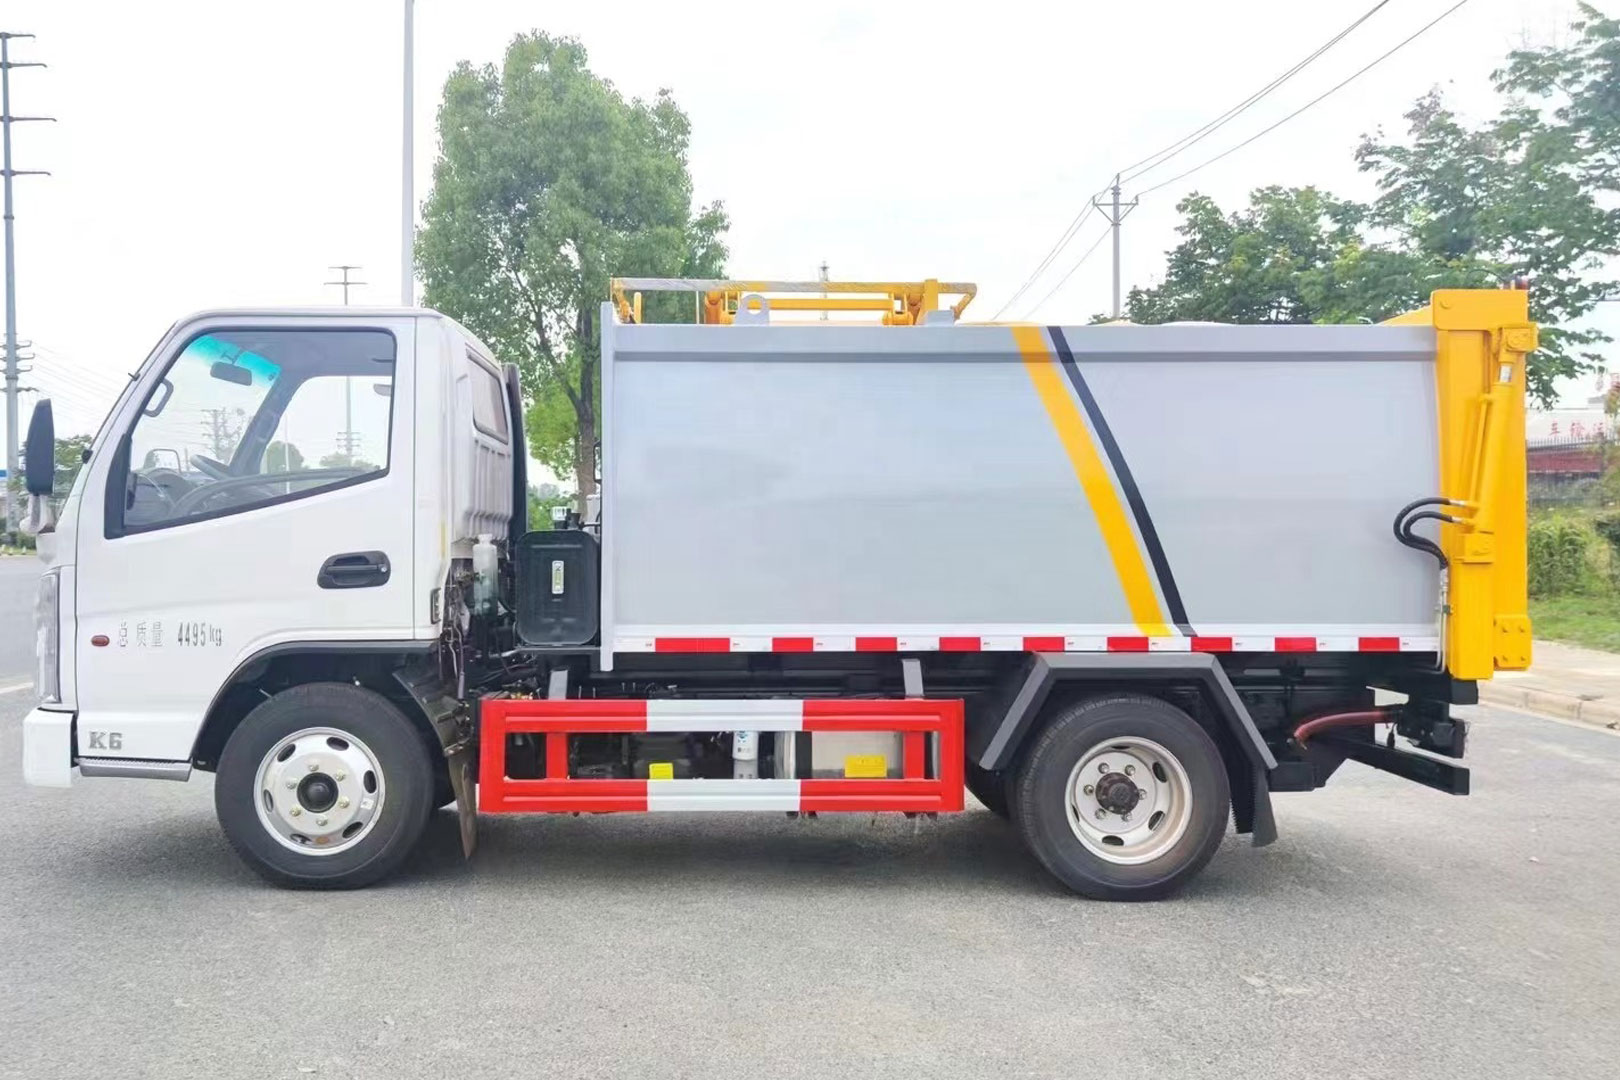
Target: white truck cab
(271, 483)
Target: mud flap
(448, 718)
(463, 781)
(1264, 825)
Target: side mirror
(39, 475)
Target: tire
(1070, 800)
(990, 788)
(331, 753)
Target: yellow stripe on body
(1112, 520)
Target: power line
(59, 369)
(1320, 97)
(1164, 154)
(1095, 244)
(1191, 139)
(1062, 242)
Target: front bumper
(48, 748)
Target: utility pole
(407, 224)
(13, 515)
(346, 437)
(1114, 212)
(824, 291)
(345, 284)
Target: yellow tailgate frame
(1482, 337)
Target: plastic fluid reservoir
(485, 558)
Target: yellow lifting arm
(1481, 339)
(901, 303)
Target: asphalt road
(19, 578)
(1391, 932)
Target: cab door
(256, 491)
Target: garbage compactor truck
(1122, 582)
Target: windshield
(243, 417)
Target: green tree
(548, 183)
(1275, 262)
(1529, 192)
(69, 459)
(342, 459)
(541, 499)
(282, 457)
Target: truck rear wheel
(325, 786)
(1122, 797)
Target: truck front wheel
(325, 786)
(1122, 797)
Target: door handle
(354, 570)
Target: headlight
(48, 639)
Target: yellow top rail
(901, 303)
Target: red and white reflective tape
(915, 720)
(1337, 642)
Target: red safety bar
(914, 791)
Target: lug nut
(340, 775)
(292, 783)
(1102, 766)
(343, 803)
(313, 766)
(1101, 814)
(295, 811)
(1126, 816)
(1089, 789)
(320, 821)
(1140, 794)
(1130, 770)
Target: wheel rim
(1121, 826)
(319, 791)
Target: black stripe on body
(1127, 483)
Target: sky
(220, 152)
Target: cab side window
(488, 398)
(246, 418)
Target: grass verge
(1593, 621)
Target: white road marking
(16, 688)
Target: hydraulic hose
(1356, 718)
(1406, 518)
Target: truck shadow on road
(973, 853)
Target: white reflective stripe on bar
(768, 714)
(722, 795)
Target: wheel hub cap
(1117, 793)
(1129, 800)
(319, 791)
